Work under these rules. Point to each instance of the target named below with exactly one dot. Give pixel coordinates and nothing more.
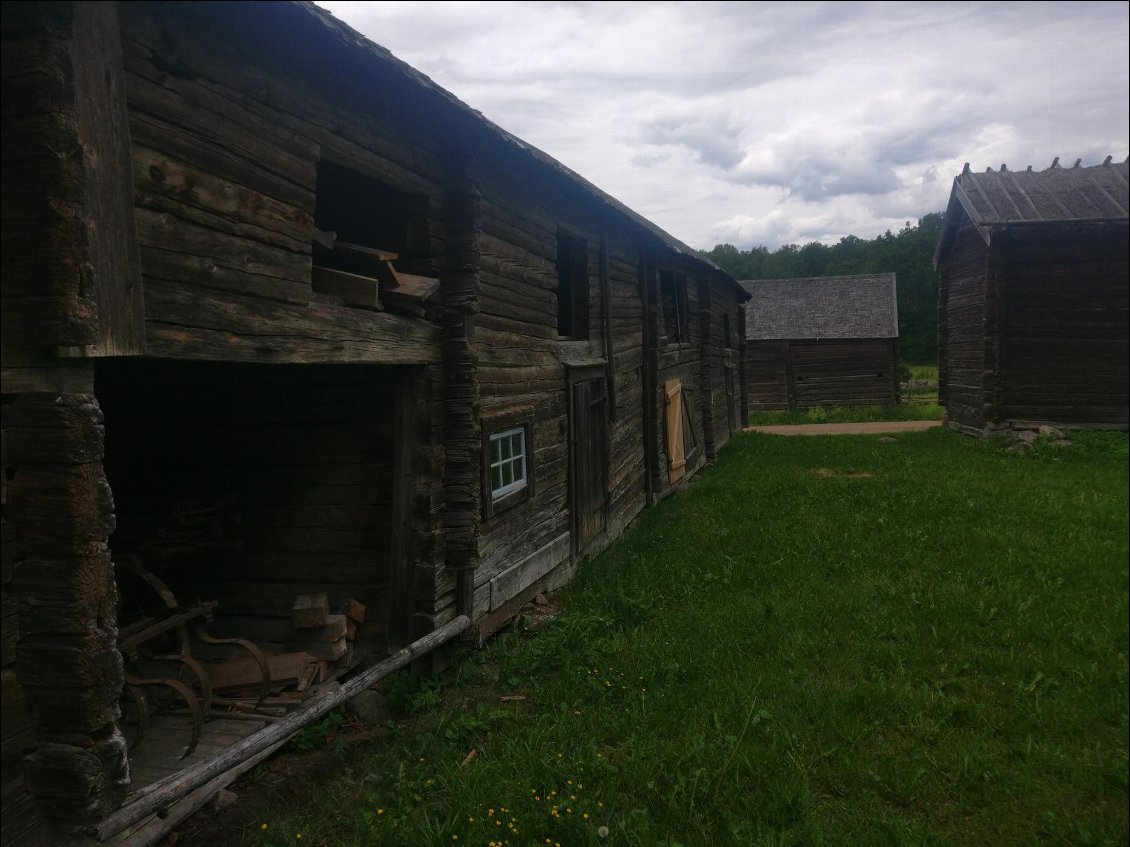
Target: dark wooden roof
(349, 39)
(863, 306)
(995, 200)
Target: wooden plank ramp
(157, 756)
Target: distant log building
(1032, 304)
(299, 349)
(822, 341)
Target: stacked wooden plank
(326, 636)
(320, 644)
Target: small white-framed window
(507, 461)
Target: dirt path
(862, 428)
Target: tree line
(909, 254)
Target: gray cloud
(770, 123)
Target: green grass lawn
(825, 641)
(923, 411)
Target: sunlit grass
(828, 641)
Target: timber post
(462, 427)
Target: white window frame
(502, 463)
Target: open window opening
(372, 242)
(572, 287)
(254, 545)
(676, 309)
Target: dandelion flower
(602, 831)
(264, 826)
(380, 811)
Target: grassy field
(822, 641)
(848, 414)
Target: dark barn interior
(246, 487)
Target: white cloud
(771, 123)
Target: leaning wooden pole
(157, 797)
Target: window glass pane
(508, 465)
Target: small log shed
(289, 331)
(822, 341)
(1032, 304)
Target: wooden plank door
(589, 460)
(732, 418)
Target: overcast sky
(775, 123)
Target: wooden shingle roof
(863, 306)
(996, 200)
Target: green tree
(909, 254)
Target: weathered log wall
(962, 324)
(1034, 329)
(70, 256)
(627, 477)
(721, 362)
(803, 373)
(521, 375)
(225, 158)
(1063, 329)
(66, 659)
(767, 375)
(844, 372)
(67, 286)
(681, 360)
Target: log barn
(1032, 301)
(822, 341)
(308, 369)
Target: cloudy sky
(775, 123)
